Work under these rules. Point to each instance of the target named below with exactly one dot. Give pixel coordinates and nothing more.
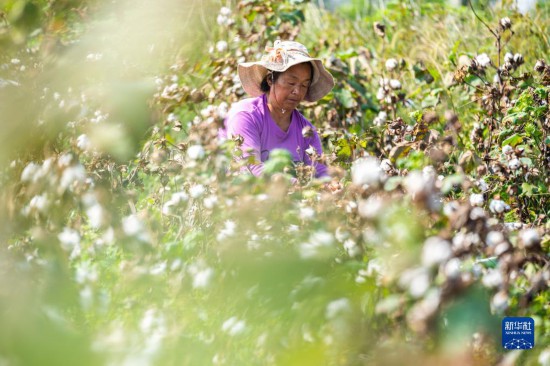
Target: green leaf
(516, 118)
(430, 101)
(528, 189)
(512, 140)
(416, 115)
(294, 17)
(279, 160)
(451, 181)
(452, 54)
(344, 150)
(392, 183)
(527, 162)
(422, 74)
(490, 262)
(345, 98)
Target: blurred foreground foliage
(131, 237)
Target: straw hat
(279, 58)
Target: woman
(284, 77)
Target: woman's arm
(243, 124)
(321, 170)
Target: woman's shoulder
(302, 120)
(248, 105)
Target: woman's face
(291, 86)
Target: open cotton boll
(529, 237)
(195, 152)
(436, 250)
(498, 206)
(483, 60)
(476, 199)
(391, 64)
(366, 171)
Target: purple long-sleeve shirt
(251, 119)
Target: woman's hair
(274, 75)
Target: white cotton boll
(482, 185)
(544, 357)
(132, 225)
(40, 203)
(221, 19)
(416, 280)
(293, 228)
(436, 250)
(338, 308)
(226, 71)
(419, 285)
(366, 171)
(380, 94)
(341, 234)
(222, 110)
(195, 152)
(514, 164)
(210, 202)
(529, 237)
(380, 119)
(85, 272)
(483, 60)
(83, 142)
(371, 207)
(319, 246)
(307, 213)
(351, 206)
(197, 190)
(507, 149)
(221, 46)
(322, 237)
(508, 58)
(233, 326)
(225, 11)
(95, 215)
(64, 160)
(492, 279)
(501, 248)
(202, 278)
(69, 238)
(513, 226)
(228, 230)
(499, 302)
(498, 206)
(391, 64)
(395, 84)
(428, 172)
(477, 213)
(450, 208)
(29, 172)
(179, 197)
(494, 238)
(352, 248)
(476, 199)
(452, 268)
(158, 268)
(415, 183)
(386, 165)
(72, 175)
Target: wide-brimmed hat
(279, 58)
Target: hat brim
(251, 75)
